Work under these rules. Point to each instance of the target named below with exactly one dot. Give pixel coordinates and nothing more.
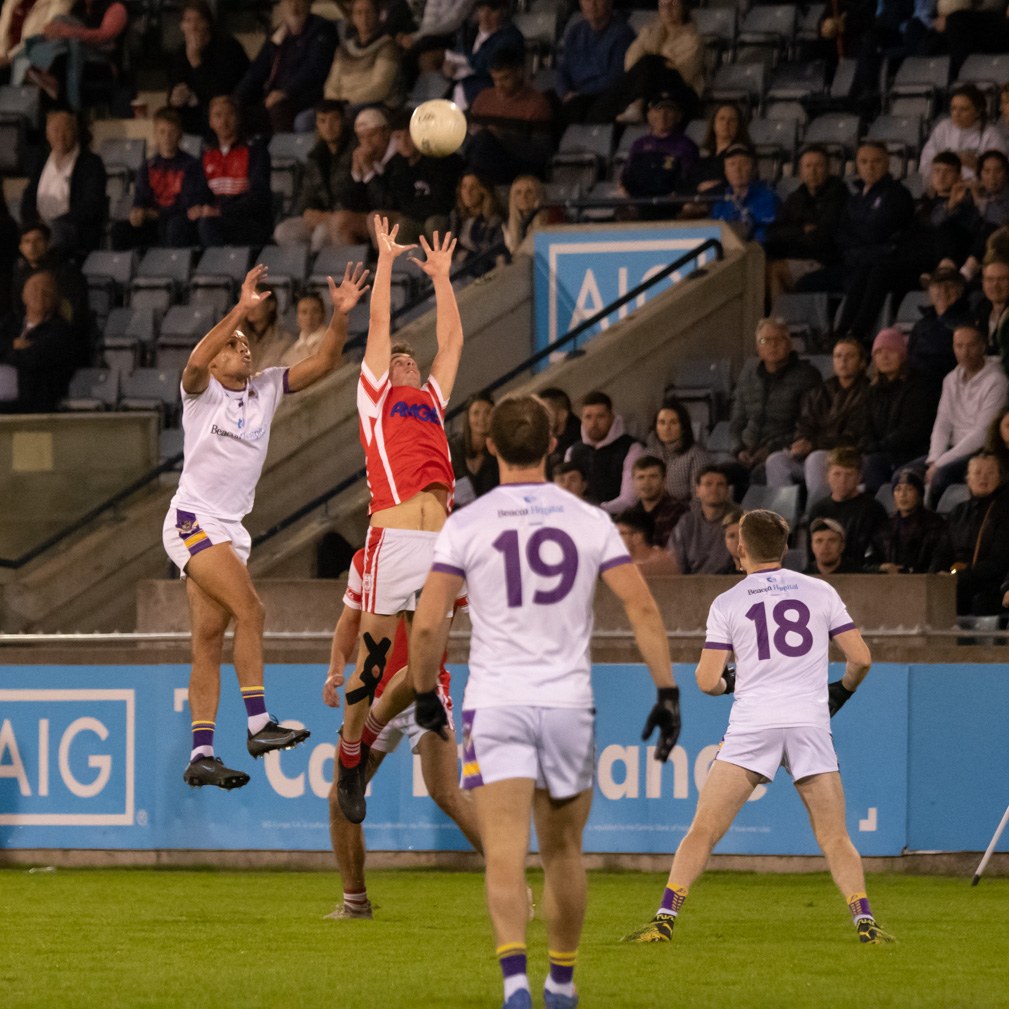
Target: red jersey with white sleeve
(353, 597)
(403, 434)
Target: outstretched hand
(439, 255)
(385, 238)
(351, 288)
(250, 297)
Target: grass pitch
(135, 938)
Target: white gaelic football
(438, 128)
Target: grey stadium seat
(288, 152)
(128, 338)
(151, 389)
(123, 158)
(108, 275)
(92, 389)
(19, 113)
(837, 131)
(955, 494)
(218, 276)
(161, 278)
(583, 150)
(332, 262)
(783, 500)
(287, 268)
(738, 82)
(181, 329)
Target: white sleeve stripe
(375, 383)
(438, 394)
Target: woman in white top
(967, 132)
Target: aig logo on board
(67, 757)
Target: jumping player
(439, 760)
(530, 554)
(411, 481)
(780, 625)
(226, 417)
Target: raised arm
(448, 327)
(328, 354)
(377, 350)
(196, 374)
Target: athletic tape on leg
(369, 681)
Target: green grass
(205, 940)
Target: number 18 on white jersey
(531, 555)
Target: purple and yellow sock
(858, 905)
(512, 957)
(255, 701)
(203, 739)
(672, 900)
(562, 970)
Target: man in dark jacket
(768, 396)
(975, 543)
(803, 238)
(477, 44)
(564, 424)
(914, 529)
(288, 74)
(36, 254)
(67, 191)
(826, 547)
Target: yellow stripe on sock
(203, 725)
(563, 959)
(857, 896)
(253, 690)
(510, 949)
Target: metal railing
(508, 376)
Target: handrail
(540, 355)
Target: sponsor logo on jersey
(789, 587)
(245, 436)
(509, 513)
(418, 411)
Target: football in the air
(438, 128)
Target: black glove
(730, 678)
(666, 717)
(837, 694)
(430, 713)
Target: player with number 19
(780, 625)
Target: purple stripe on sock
(561, 974)
(514, 964)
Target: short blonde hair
(765, 534)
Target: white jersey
(530, 554)
(226, 435)
(779, 624)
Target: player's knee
(252, 612)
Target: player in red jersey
(439, 761)
(411, 481)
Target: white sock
(201, 751)
(515, 983)
(560, 989)
(355, 900)
(666, 910)
(256, 722)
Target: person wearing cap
(365, 69)
(914, 529)
(898, 412)
(747, 200)
(803, 237)
(660, 162)
(972, 394)
(826, 545)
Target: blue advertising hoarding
(94, 759)
(578, 273)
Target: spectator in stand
(606, 454)
(967, 132)
(570, 477)
(730, 530)
(726, 128)
(475, 221)
(634, 530)
(698, 540)
(268, 342)
(287, 76)
(832, 414)
(424, 48)
(525, 200)
(898, 411)
(971, 28)
(872, 224)
(325, 180)
(35, 255)
(991, 304)
(167, 185)
(864, 519)
(972, 394)
(511, 123)
(365, 69)
(768, 397)
(747, 200)
(655, 507)
(990, 189)
(997, 440)
(899, 28)
(375, 149)
(975, 543)
(471, 459)
(827, 545)
(237, 207)
(914, 529)
(67, 192)
(593, 62)
(565, 427)
(660, 162)
(311, 329)
(38, 353)
(91, 33)
(803, 237)
(415, 191)
(671, 439)
(25, 19)
(208, 63)
(469, 62)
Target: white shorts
(556, 747)
(801, 750)
(404, 724)
(396, 565)
(185, 535)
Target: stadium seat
(19, 113)
(807, 315)
(838, 132)
(583, 150)
(92, 389)
(152, 389)
(988, 71)
(908, 312)
(915, 185)
(787, 185)
(181, 329)
(108, 275)
(794, 560)
(770, 28)
(844, 78)
(332, 262)
(783, 500)
(807, 28)
(127, 338)
(696, 130)
(161, 278)
(902, 136)
(192, 144)
(545, 80)
(738, 82)
(885, 497)
(790, 111)
(170, 443)
(123, 158)
(823, 363)
(716, 26)
(430, 84)
(218, 276)
(630, 134)
(953, 495)
(287, 269)
(775, 143)
(539, 29)
(560, 193)
(703, 386)
(288, 152)
(799, 82)
(719, 441)
(921, 77)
